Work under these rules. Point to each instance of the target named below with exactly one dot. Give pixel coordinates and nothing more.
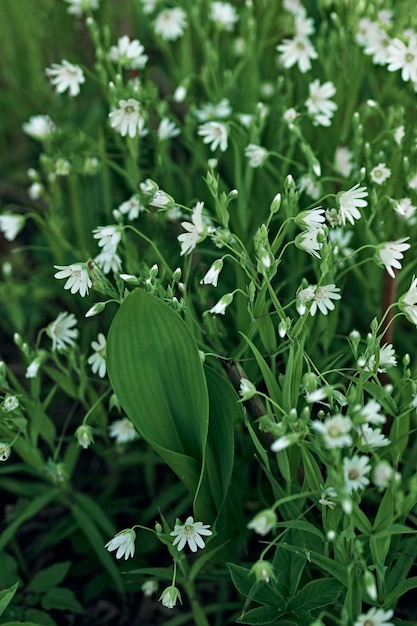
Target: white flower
(380, 173)
(343, 163)
(298, 51)
(108, 237)
(399, 134)
(77, 275)
(247, 389)
(412, 183)
(212, 276)
(378, 45)
(5, 451)
(366, 29)
(307, 184)
(282, 442)
(405, 209)
(304, 26)
(390, 254)
(263, 571)
(372, 437)
(309, 242)
(167, 129)
(123, 430)
(323, 298)
(35, 191)
(84, 434)
(11, 225)
(263, 522)
(327, 493)
(290, 115)
(214, 133)
(148, 6)
(127, 120)
(223, 14)
(375, 617)
(319, 104)
(355, 472)
(382, 475)
(131, 207)
(78, 7)
(169, 597)
(128, 53)
(190, 533)
(256, 155)
(170, 23)
(98, 359)
(222, 304)
(149, 587)
(161, 200)
(335, 431)
(386, 358)
(408, 302)
(349, 203)
(66, 76)
(371, 413)
(311, 219)
(10, 403)
(33, 367)
(403, 57)
(39, 127)
(124, 543)
(195, 230)
(62, 331)
(108, 261)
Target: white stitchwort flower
(169, 597)
(124, 543)
(256, 155)
(247, 389)
(405, 209)
(10, 403)
(5, 451)
(343, 161)
(170, 23)
(380, 173)
(108, 237)
(149, 587)
(128, 53)
(84, 434)
(309, 241)
(408, 302)
(98, 359)
(223, 14)
(215, 134)
(390, 253)
(349, 203)
(370, 413)
(39, 127)
(323, 298)
(377, 45)
(77, 275)
(372, 437)
(123, 431)
(196, 230)
(65, 76)
(298, 51)
(212, 276)
(382, 475)
(191, 532)
(128, 119)
(403, 57)
(78, 7)
(62, 331)
(167, 129)
(335, 431)
(209, 111)
(311, 219)
(375, 617)
(263, 522)
(11, 225)
(318, 104)
(355, 472)
(310, 186)
(108, 261)
(131, 207)
(386, 359)
(222, 304)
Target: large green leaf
(156, 372)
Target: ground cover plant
(208, 311)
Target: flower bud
(5, 451)
(263, 522)
(263, 571)
(84, 436)
(169, 597)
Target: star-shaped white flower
(191, 532)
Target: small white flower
(405, 209)
(298, 51)
(108, 237)
(161, 200)
(335, 431)
(170, 23)
(375, 617)
(66, 76)
(84, 434)
(62, 331)
(386, 359)
(263, 571)
(318, 103)
(371, 413)
(311, 219)
(123, 430)
(382, 475)
(355, 472)
(378, 44)
(263, 522)
(380, 173)
(78, 7)
(222, 304)
(149, 587)
(212, 276)
(323, 299)
(190, 533)
(390, 253)
(33, 368)
(247, 389)
(281, 443)
(124, 543)
(408, 302)
(215, 134)
(403, 57)
(167, 129)
(128, 53)
(309, 242)
(223, 14)
(195, 230)
(308, 185)
(11, 225)
(169, 597)
(128, 119)
(256, 155)
(35, 191)
(290, 115)
(98, 359)
(343, 162)
(131, 207)
(349, 203)
(77, 275)
(372, 437)
(39, 127)
(5, 451)
(10, 403)
(327, 493)
(108, 261)
(399, 134)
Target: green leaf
(40, 617)
(260, 615)
(316, 594)
(49, 577)
(289, 566)
(274, 390)
(62, 599)
(156, 372)
(400, 590)
(6, 596)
